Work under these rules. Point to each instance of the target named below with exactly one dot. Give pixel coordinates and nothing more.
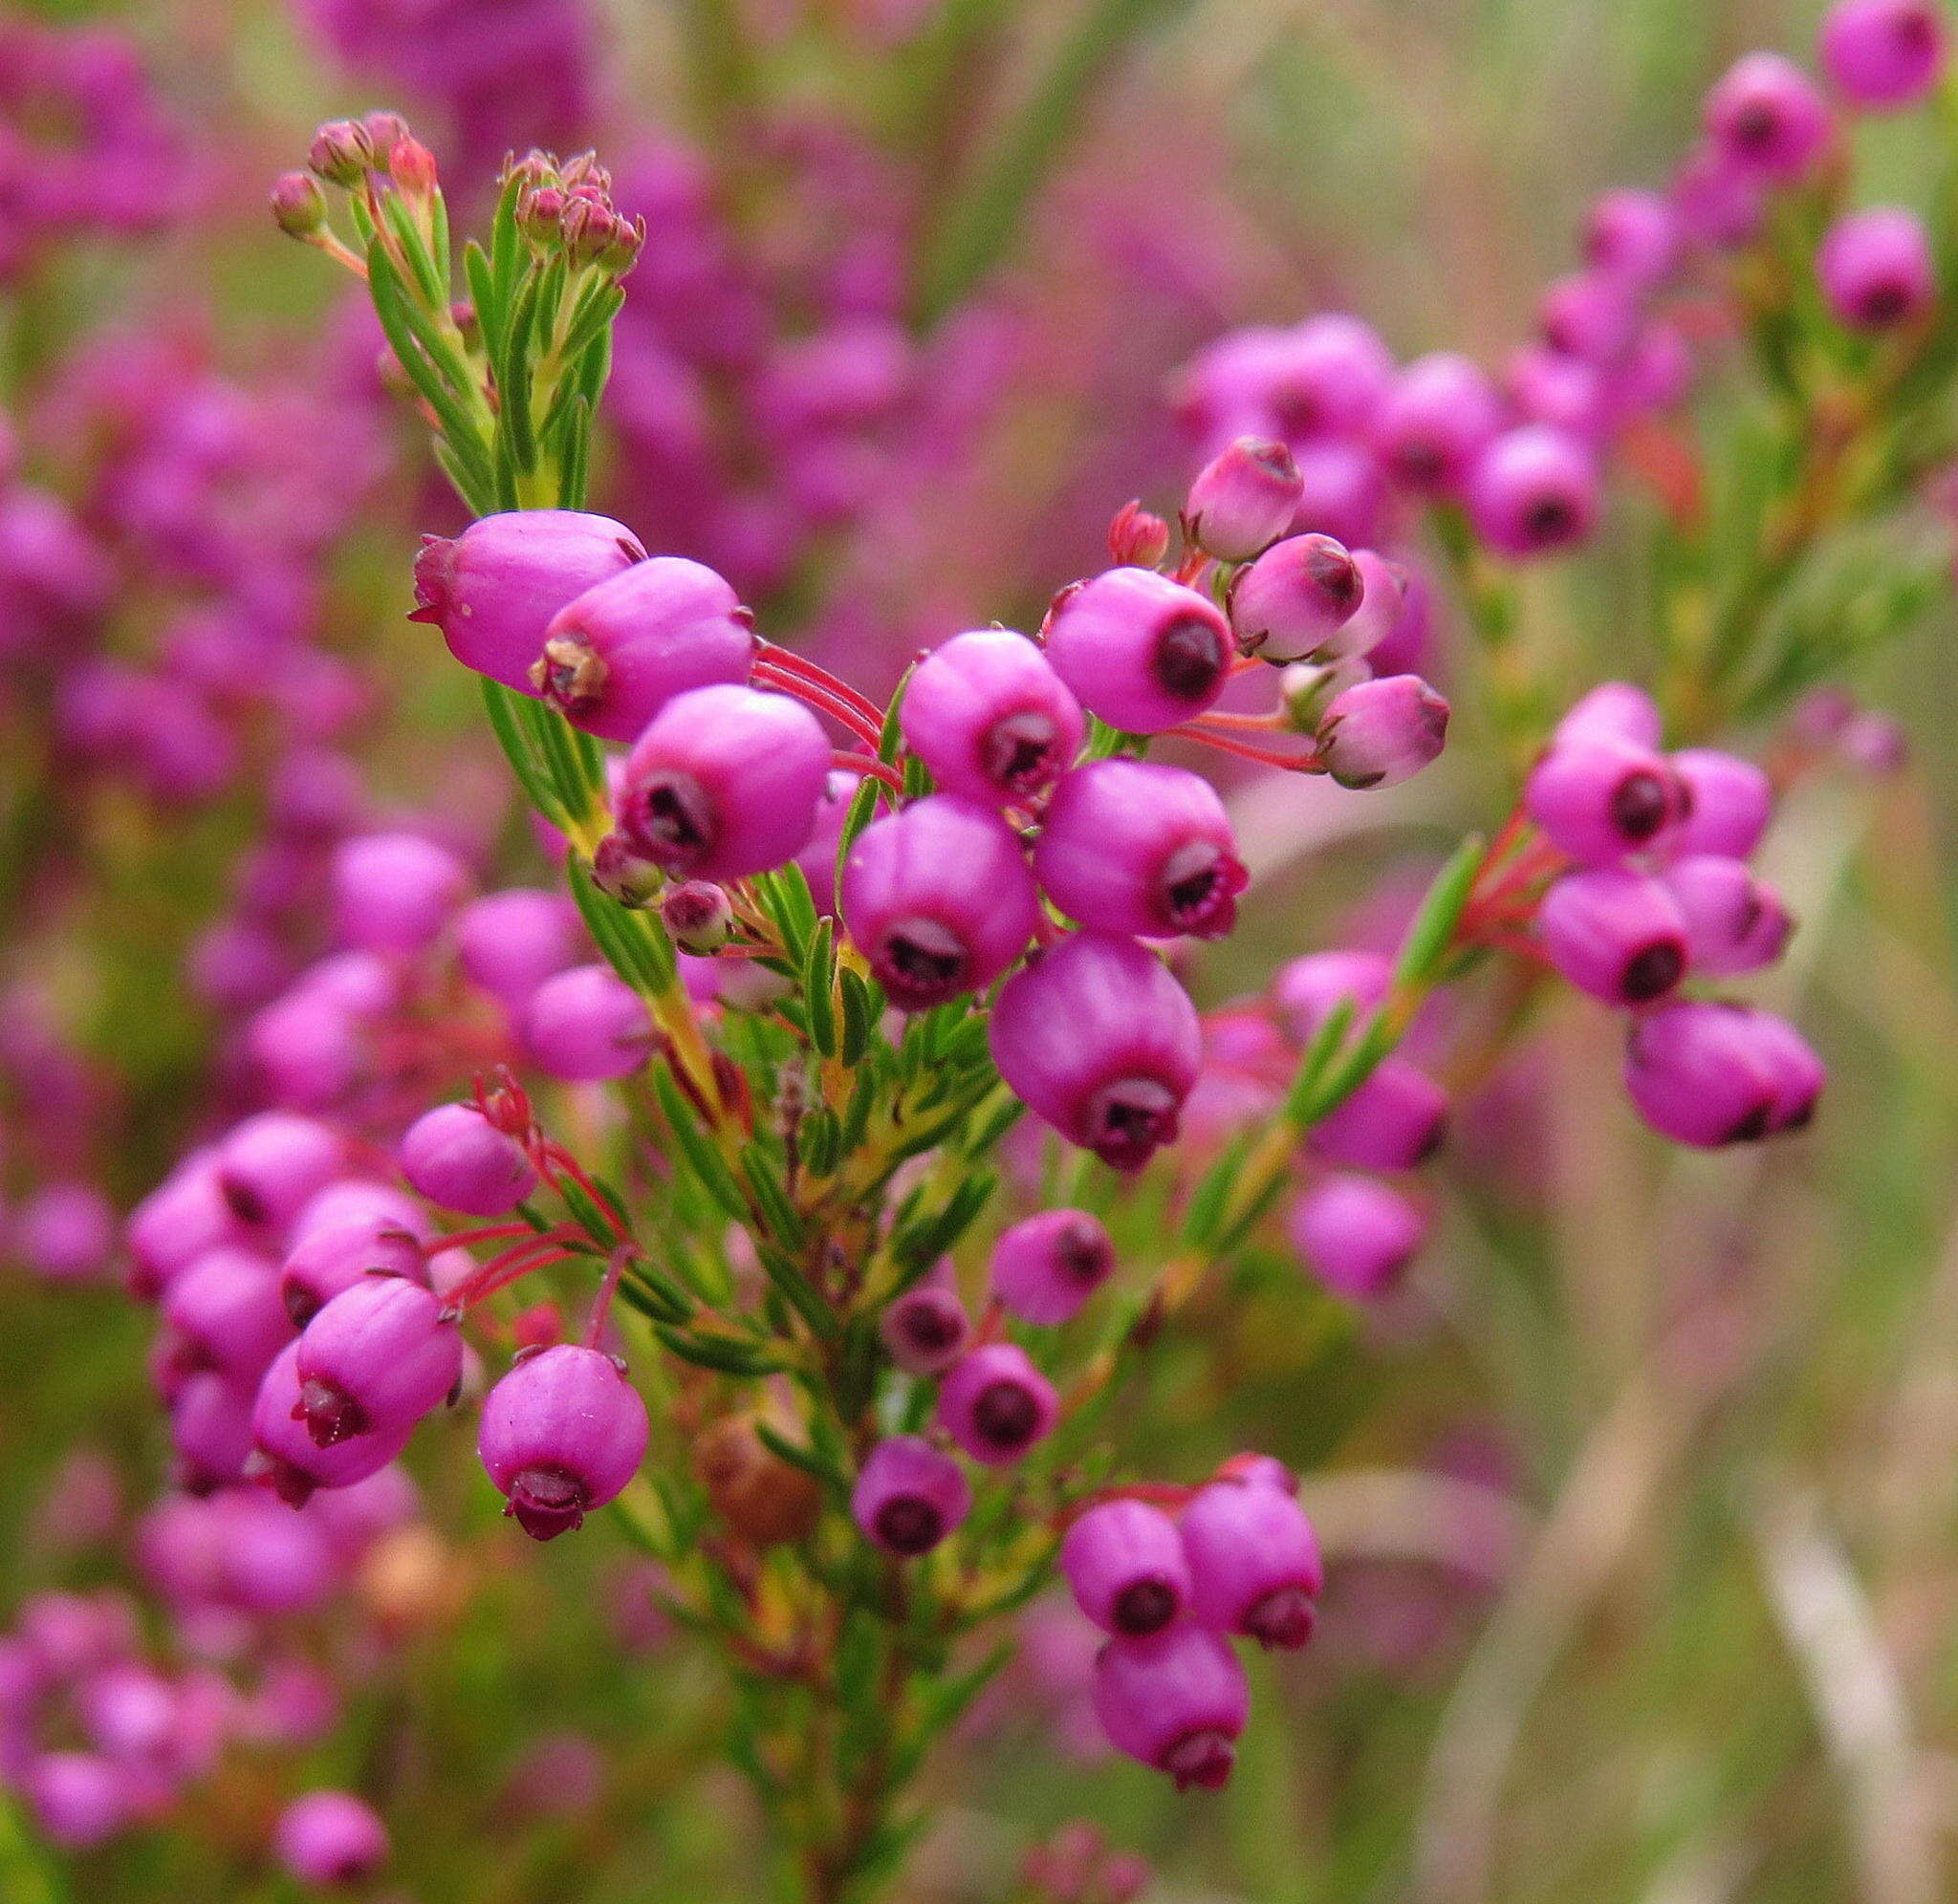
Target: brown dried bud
(763, 1500)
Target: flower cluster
(1658, 889)
(86, 147)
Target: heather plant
(824, 1180)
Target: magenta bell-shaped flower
(1243, 500)
(1875, 269)
(1379, 733)
(1254, 1562)
(79, 1799)
(271, 1164)
(908, 1497)
(225, 1308)
(587, 1024)
(938, 898)
(563, 1433)
(725, 782)
(211, 1431)
(1734, 922)
(1326, 376)
(1137, 848)
(331, 1839)
(995, 1404)
(1881, 55)
(66, 1232)
(1708, 1073)
(493, 590)
(284, 1454)
(987, 713)
(1291, 603)
(1099, 1039)
(1045, 1268)
(617, 654)
(183, 1217)
(458, 1160)
(1632, 238)
(1357, 1235)
(1729, 802)
(1125, 1566)
(510, 942)
(1394, 1121)
(1601, 798)
(1140, 651)
(1440, 415)
(1614, 933)
(927, 1327)
(375, 1360)
(1767, 119)
(394, 891)
(1309, 989)
(1175, 1699)
(819, 858)
(1533, 491)
(360, 1200)
(1616, 709)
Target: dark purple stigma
(907, 1525)
(1129, 1120)
(547, 1502)
(1017, 753)
(1189, 658)
(673, 821)
(1641, 804)
(1284, 1619)
(1653, 970)
(1006, 1415)
(331, 1415)
(1201, 1759)
(921, 962)
(1145, 1606)
(1200, 885)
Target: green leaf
(1311, 1065)
(396, 322)
(818, 980)
(481, 280)
(706, 1161)
(1434, 925)
(859, 1016)
(500, 704)
(771, 1198)
(725, 1354)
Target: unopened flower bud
(624, 874)
(1243, 500)
(411, 166)
(385, 131)
(1137, 539)
(298, 206)
(1383, 732)
(341, 153)
(698, 915)
(1307, 688)
(540, 214)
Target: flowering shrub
(797, 1153)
